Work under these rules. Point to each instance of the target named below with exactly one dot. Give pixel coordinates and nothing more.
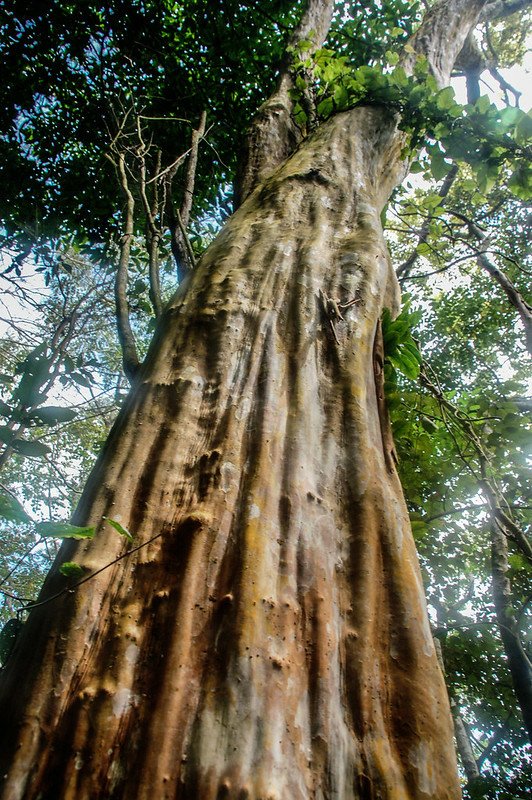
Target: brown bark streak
(388, 446)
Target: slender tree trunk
(270, 640)
(463, 742)
(518, 660)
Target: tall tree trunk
(274, 641)
(271, 638)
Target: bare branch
(130, 357)
(179, 219)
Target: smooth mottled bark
(271, 638)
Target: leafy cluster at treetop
(485, 137)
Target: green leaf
(35, 371)
(120, 528)
(392, 58)
(71, 570)
(341, 97)
(523, 129)
(519, 562)
(399, 76)
(64, 530)
(510, 115)
(51, 415)
(445, 98)
(8, 637)
(325, 108)
(6, 434)
(301, 83)
(412, 348)
(419, 528)
(520, 182)
(5, 410)
(482, 104)
(81, 380)
(439, 167)
(406, 364)
(11, 510)
(30, 449)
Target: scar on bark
(388, 446)
(333, 310)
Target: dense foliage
(99, 163)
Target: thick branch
(190, 173)
(514, 296)
(463, 742)
(273, 134)
(442, 35)
(500, 9)
(488, 486)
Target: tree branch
(442, 35)
(514, 296)
(273, 134)
(404, 269)
(518, 661)
(179, 219)
(500, 9)
(153, 233)
(130, 359)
